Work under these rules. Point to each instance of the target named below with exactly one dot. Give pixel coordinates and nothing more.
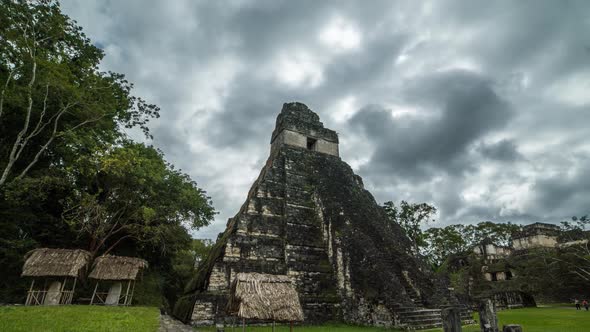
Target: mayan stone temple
(308, 217)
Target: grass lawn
(307, 328)
(554, 318)
(547, 318)
(79, 318)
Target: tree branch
(38, 127)
(46, 145)
(116, 243)
(4, 90)
(114, 230)
(15, 147)
(80, 125)
(55, 135)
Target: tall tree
(411, 217)
(131, 194)
(441, 243)
(498, 233)
(68, 175)
(52, 92)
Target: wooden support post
(73, 290)
(243, 325)
(61, 291)
(44, 293)
(94, 293)
(127, 293)
(132, 292)
(273, 326)
(291, 326)
(28, 302)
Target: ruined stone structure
(498, 274)
(490, 255)
(308, 216)
(536, 235)
(533, 236)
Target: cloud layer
(480, 108)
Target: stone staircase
(412, 294)
(414, 316)
(418, 318)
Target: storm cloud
(479, 108)
(462, 108)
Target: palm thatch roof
(46, 262)
(264, 297)
(112, 267)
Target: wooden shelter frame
(37, 296)
(99, 298)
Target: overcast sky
(480, 108)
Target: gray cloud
(468, 109)
(566, 192)
(504, 150)
(477, 107)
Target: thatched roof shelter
(264, 297)
(46, 262)
(112, 267)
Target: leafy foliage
(131, 193)
(547, 273)
(439, 243)
(444, 242)
(54, 100)
(411, 217)
(69, 177)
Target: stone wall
(324, 146)
(203, 313)
(492, 253)
(535, 241)
(297, 139)
(536, 235)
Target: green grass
(545, 318)
(307, 328)
(553, 318)
(78, 318)
(550, 318)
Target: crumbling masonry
(308, 216)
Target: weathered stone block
(488, 320)
(203, 313)
(451, 318)
(512, 328)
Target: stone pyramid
(309, 217)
